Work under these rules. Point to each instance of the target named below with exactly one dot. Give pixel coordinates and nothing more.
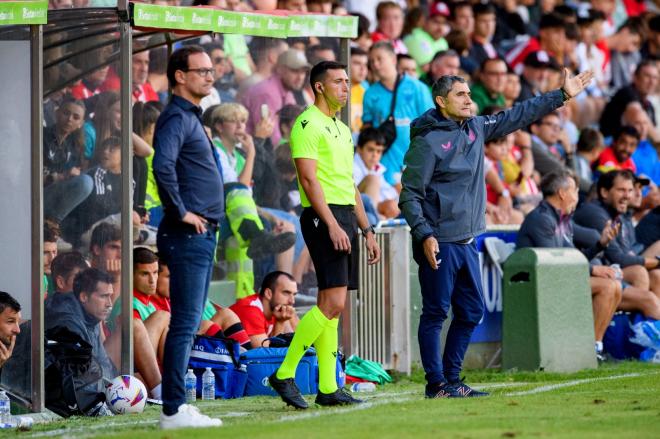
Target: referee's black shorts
(333, 268)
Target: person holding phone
(443, 199)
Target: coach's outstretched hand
(573, 85)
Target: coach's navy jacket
(444, 189)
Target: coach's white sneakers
(188, 416)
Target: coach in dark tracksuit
(444, 201)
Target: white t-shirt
(387, 192)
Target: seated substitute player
(269, 312)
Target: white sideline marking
(70, 431)
(551, 387)
(363, 406)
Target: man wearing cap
(535, 74)
(278, 90)
(424, 42)
(443, 199)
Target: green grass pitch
(616, 401)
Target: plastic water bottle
(208, 385)
(363, 387)
(191, 386)
(618, 272)
(5, 411)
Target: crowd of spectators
(598, 154)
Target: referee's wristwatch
(366, 230)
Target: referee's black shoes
(338, 397)
(288, 391)
(452, 390)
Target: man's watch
(366, 230)
(565, 95)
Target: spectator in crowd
(550, 226)
(276, 91)
(589, 146)
(535, 74)
(91, 84)
(368, 174)
(644, 84)
(489, 90)
(51, 235)
(363, 39)
(512, 89)
(619, 154)
(444, 62)
(624, 52)
(265, 51)
(359, 85)
(640, 268)
(235, 146)
(10, 318)
(236, 48)
(462, 17)
(105, 252)
(82, 310)
(551, 39)
(550, 145)
(499, 206)
(589, 55)
(645, 156)
(424, 42)
(158, 73)
(485, 22)
(271, 311)
(105, 199)
(320, 52)
(412, 99)
(647, 231)
(389, 17)
(145, 116)
(651, 47)
(142, 90)
(271, 183)
(65, 268)
(405, 65)
(63, 143)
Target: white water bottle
(208, 385)
(363, 387)
(5, 410)
(191, 386)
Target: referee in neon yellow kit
(322, 148)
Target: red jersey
(608, 162)
(161, 303)
(251, 312)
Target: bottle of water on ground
(5, 411)
(208, 385)
(191, 386)
(363, 387)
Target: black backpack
(72, 375)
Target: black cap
(541, 59)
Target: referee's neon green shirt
(329, 141)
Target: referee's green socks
(307, 331)
(326, 351)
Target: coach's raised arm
(443, 198)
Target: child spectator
(500, 208)
(389, 16)
(368, 173)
